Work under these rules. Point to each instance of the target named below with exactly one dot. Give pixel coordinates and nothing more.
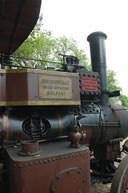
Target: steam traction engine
(58, 131)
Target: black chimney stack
(98, 60)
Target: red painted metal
(17, 19)
(89, 84)
(57, 168)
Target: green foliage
(124, 100)
(38, 45)
(112, 86)
(112, 81)
(41, 45)
(68, 46)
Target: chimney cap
(95, 35)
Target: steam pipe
(98, 60)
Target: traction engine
(58, 131)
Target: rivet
(57, 177)
(84, 181)
(68, 172)
(53, 191)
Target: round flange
(30, 148)
(70, 180)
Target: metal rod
(39, 60)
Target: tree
(124, 100)
(69, 46)
(43, 46)
(114, 85)
(112, 81)
(38, 45)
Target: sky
(79, 18)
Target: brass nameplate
(53, 87)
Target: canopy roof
(17, 20)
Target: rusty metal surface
(58, 168)
(17, 19)
(30, 147)
(30, 89)
(2, 87)
(109, 151)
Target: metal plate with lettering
(53, 87)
